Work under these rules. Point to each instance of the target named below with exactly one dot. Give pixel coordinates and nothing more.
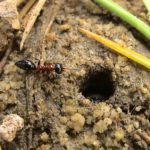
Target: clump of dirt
(3, 41)
(102, 104)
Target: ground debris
(9, 12)
(144, 136)
(3, 41)
(91, 7)
(3, 61)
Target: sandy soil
(105, 104)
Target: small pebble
(44, 137)
(77, 122)
(119, 134)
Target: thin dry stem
(52, 16)
(19, 2)
(47, 25)
(32, 19)
(3, 61)
(26, 17)
(26, 8)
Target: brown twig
(3, 61)
(32, 19)
(37, 45)
(51, 17)
(50, 12)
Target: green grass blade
(147, 4)
(126, 16)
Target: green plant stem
(126, 16)
(147, 4)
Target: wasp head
(59, 68)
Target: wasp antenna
(71, 69)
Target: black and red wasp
(28, 65)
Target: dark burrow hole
(98, 85)
(71, 133)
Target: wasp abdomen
(26, 65)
